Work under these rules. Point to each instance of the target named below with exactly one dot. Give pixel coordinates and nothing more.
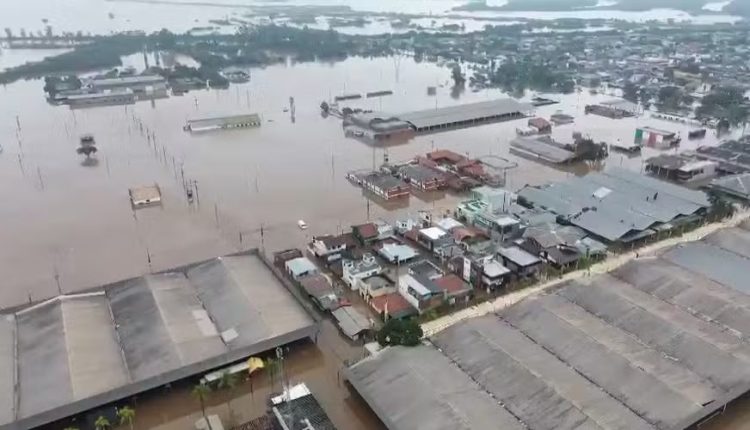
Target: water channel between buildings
(68, 226)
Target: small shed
(351, 322)
(299, 267)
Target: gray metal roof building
(128, 82)
(616, 204)
(737, 186)
(542, 149)
(420, 388)
(466, 114)
(76, 352)
(660, 343)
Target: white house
(300, 267)
(419, 291)
(329, 248)
(354, 271)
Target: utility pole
(57, 279)
(39, 174)
(262, 239)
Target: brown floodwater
(69, 224)
(317, 365)
(66, 225)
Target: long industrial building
(660, 343)
(432, 120)
(250, 120)
(380, 125)
(77, 352)
(617, 205)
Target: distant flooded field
(105, 17)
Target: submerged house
(422, 177)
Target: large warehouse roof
(480, 111)
(76, 352)
(659, 343)
(617, 202)
(402, 387)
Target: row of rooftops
(616, 204)
(654, 344)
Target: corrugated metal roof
(543, 150)
(465, 112)
(632, 202)
(518, 256)
(419, 388)
(645, 347)
(738, 185)
(76, 352)
(351, 321)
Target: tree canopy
(400, 332)
(727, 103)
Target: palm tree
(102, 423)
(201, 392)
(274, 368)
(228, 380)
(126, 414)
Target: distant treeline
(250, 47)
(738, 7)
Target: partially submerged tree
(721, 208)
(102, 423)
(86, 150)
(273, 366)
(202, 392)
(126, 414)
(228, 381)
